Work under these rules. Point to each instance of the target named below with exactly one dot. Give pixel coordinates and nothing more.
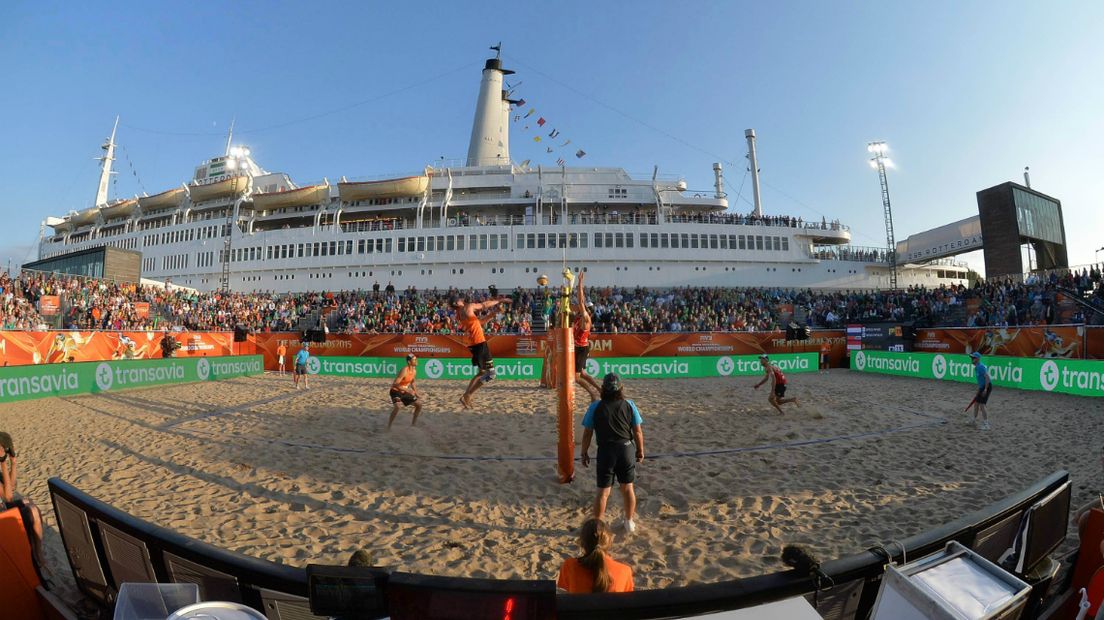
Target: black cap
(410, 356)
(611, 383)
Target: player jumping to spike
(583, 324)
(472, 324)
(773, 373)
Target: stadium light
(880, 162)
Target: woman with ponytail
(595, 570)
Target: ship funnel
(754, 164)
(718, 175)
(1027, 177)
(490, 137)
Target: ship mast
(105, 166)
(230, 136)
(754, 163)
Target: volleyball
(542, 280)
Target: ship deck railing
(855, 253)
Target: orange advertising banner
(1063, 341)
(141, 309)
(601, 345)
(48, 305)
(24, 347)
(1094, 343)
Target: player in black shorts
(403, 390)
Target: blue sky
(966, 95)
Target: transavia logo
(1048, 375)
(434, 369)
(725, 366)
(203, 369)
(104, 377)
(939, 366)
(592, 367)
(314, 365)
(860, 360)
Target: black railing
(857, 575)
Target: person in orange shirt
(825, 349)
(595, 570)
(281, 354)
(472, 324)
(403, 393)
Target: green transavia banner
(530, 368)
(1079, 377)
(431, 368)
(44, 380)
(697, 366)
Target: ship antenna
(230, 135)
(105, 167)
(498, 50)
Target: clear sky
(966, 95)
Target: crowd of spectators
(95, 304)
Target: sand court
(252, 465)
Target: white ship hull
(483, 222)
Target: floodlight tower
(880, 162)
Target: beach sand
(309, 476)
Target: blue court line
(937, 421)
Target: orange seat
(18, 578)
(1089, 561)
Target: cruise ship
(474, 223)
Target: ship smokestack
(750, 135)
(718, 175)
(490, 137)
(1027, 177)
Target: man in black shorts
(403, 390)
(472, 324)
(616, 421)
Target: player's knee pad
(489, 375)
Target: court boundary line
(934, 421)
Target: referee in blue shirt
(985, 388)
(616, 421)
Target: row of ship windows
(448, 243)
(190, 234)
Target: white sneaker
(985, 426)
(630, 526)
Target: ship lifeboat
(120, 208)
(80, 218)
(310, 195)
(221, 189)
(391, 188)
(167, 199)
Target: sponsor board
(683, 344)
(45, 380)
(433, 368)
(521, 368)
(698, 366)
(1078, 377)
(19, 348)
